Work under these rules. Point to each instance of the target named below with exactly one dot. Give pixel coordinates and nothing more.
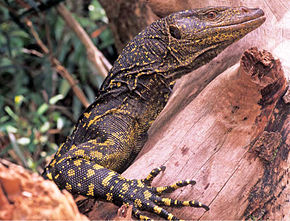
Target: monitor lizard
(113, 129)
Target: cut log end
(266, 71)
(27, 196)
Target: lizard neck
(141, 101)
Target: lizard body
(113, 129)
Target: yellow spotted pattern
(106, 180)
(71, 172)
(90, 173)
(91, 190)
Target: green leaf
(45, 127)
(19, 33)
(5, 62)
(16, 148)
(59, 123)
(10, 112)
(58, 29)
(55, 99)
(76, 107)
(90, 93)
(11, 129)
(23, 141)
(4, 119)
(64, 87)
(97, 12)
(42, 109)
(31, 164)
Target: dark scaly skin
(112, 131)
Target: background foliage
(37, 106)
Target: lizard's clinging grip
(113, 129)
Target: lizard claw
(142, 196)
(148, 180)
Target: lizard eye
(211, 15)
(175, 32)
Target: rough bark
(127, 18)
(233, 140)
(27, 196)
(273, 35)
(230, 134)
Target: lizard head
(183, 41)
(196, 36)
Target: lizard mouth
(243, 26)
(234, 32)
(248, 23)
(257, 15)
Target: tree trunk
(233, 140)
(273, 35)
(230, 134)
(127, 18)
(27, 196)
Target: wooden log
(127, 18)
(221, 139)
(273, 35)
(27, 196)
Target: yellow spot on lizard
(160, 189)
(68, 186)
(91, 189)
(157, 209)
(88, 114)
(78, 162)
(147, 195)
(53, 163)
(96, 154)
(140, 184)
(109, 196)
(73, 147)
(105, 181)
(166, 201)
(125, 188)
(71, 172)
(90, 173)
(97, 166)
(138, 203)
(170, 216)
(49, 176)
(79, 152)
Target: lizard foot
(143, 196)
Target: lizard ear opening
(175, 32)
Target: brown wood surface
(273, 35)
(127, 18)
(220, 140)
(222, 132)
(27, 196)
(226, 127)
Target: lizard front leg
(80, 174)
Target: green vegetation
(37, 106)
